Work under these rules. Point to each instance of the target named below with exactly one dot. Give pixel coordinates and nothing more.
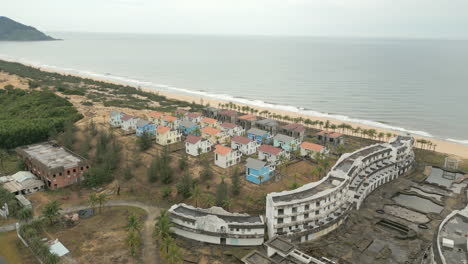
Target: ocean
(414, 85)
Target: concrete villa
(311, 149)
(226, 157)
(272, 155)
(245, 145)
(195, 145)
(166, 135)
(318, 208)
(231, 129)
(217, 226)
(53, 164)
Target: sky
(335, 18)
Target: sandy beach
(441, 145)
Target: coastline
(442, 146)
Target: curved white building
(217, 226)
(318, 208)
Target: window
(294, 209)
(293, 218)
(81, 168)
(74, 170)
(280, 211)
(317, 203)
(68, 172)
(280, 220)
(306, 207)
(306, 216)
(280, 230)
(60, 174)
(54, 175)
(317, 212)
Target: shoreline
(442, 146)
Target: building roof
(209, 120)
(222, 150)
(155, 114)
(248, 117)
(162, 129)
(187, 124)
(294, 127)
(15, 185)
(23, 200)
(284, 138)
(169, 118)
(51, 155)
(193, 114)
(312, 146)
(280, 244)
(267, 122)
(255, 257)
(228, 113)
(270, 149)
(115, 113)
(57, 248)
(211, 130)
(330, 134)
(255, 164)
(126, 117)
(226, 216)
(21, 176)
(257, 131)
(192, 139)
(242, 140)
(228, 125)
(142, 122)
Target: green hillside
(14, 31)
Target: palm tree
(92, 200)
(25, 214)
(162, 228)
(173, 255)
(133, 223)
(196, 194)
(101, 199)
(51, 211)
(381, 135)
(133, 241)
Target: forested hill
(14, 31)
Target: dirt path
(150, 251)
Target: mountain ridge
(11, 30)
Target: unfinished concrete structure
(318, 208)
(22, 182)
(217, 226)
(53, 164)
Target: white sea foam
(225, 97)
(458, 141)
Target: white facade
(130, 124)
(202, 145)
(225, 159)
(311, 149)
(272, 158)
(217, 226)
(115, 118)
(318, 208)
(244, 147)
(232, 131)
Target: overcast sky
(366, 18)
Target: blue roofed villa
(261, 136)
(143, 126)
(286, 142)
(189, 128)
(258, 171)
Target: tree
(206, 172)
(25, 214)
(184, 188)
(127, 174)
(92, 200)
(133, 223)
(51, 211)
(85, 147)
(145, 141)
(152, 171)
(183, 164)
(173, 255)
(227, 203)
(236, 187)
(68, 137)
(3, 157)
(221, 193)
(133, 241)
(196, 194)
(162, 228)
(101, 199)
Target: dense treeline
(28, 117)
(73, 85)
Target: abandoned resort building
(56, 166)
(217, 226)
(261, 145)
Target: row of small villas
(302, 214)
(230, 136)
